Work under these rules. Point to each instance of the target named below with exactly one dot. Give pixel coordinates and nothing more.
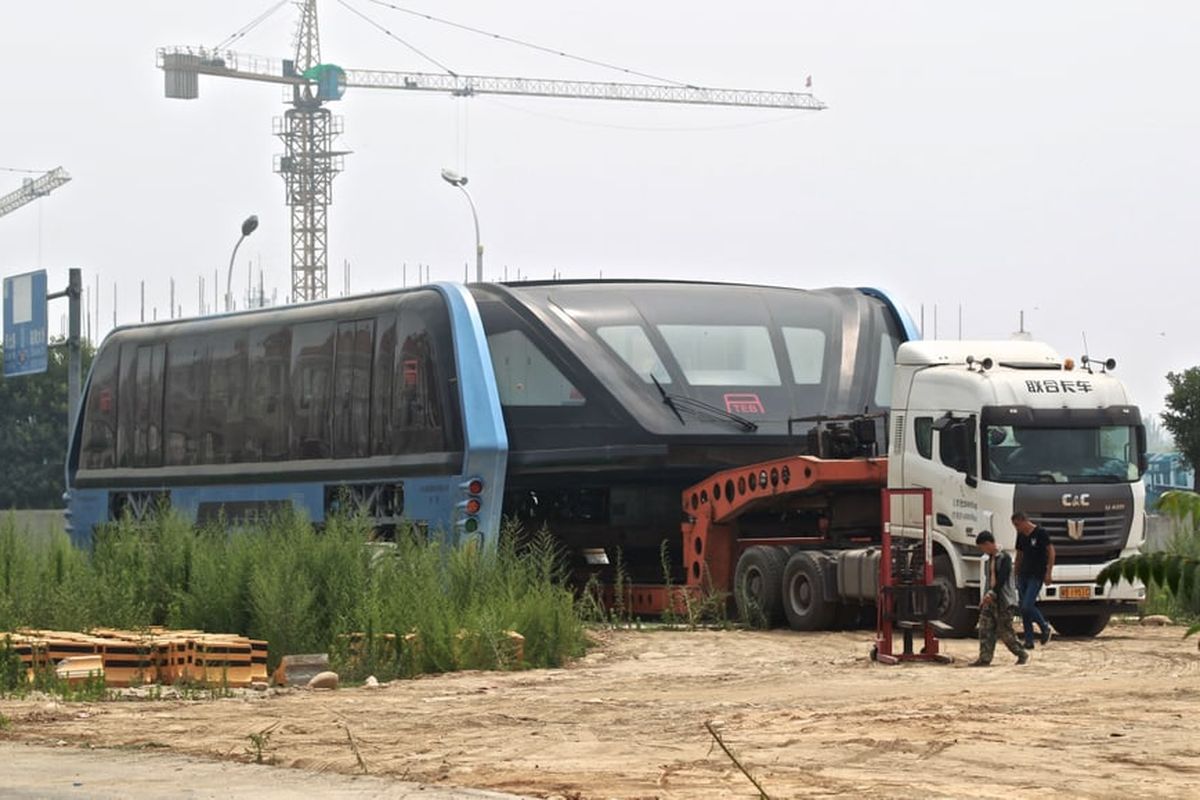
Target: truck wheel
(1083, 626)
(953, 603)
(804, 602)
(756, 586)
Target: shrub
(420, 605)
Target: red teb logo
(744, 403)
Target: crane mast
(32, 189)
(309, 163)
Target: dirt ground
(808, 714)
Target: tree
(33, 434)
(1182, 417)
(1176, 572)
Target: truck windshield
(1025, 454)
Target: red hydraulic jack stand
(908, 598)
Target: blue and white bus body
(435, 503)
(558, 426)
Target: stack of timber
(137, 657)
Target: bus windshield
(1027, 454)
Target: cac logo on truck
(1076, 500)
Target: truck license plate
(1075, 592)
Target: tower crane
(308, 128)
(32, 189)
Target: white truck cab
(995, 427)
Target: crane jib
(307, 127)
(230, 64)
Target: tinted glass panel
(426, 416)
(352, 389)
(312, 375)
(525, 376)
(417, 416)
(887, 368)
(632, 345)
(141, 404)
(99, 443)
(1027, 454)
(267, 405)
(806, 353)
(723, 355)
(127, 406)
(224, 420)
(187, 387)
(923, 428)
(955, 450)
(381, 385)
(148, 406)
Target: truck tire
(1085, 626)
(804, 602)
(757, 582)
(953, 603)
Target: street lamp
(248, 227)
(454, 179)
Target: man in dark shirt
(996, 607)
(1035, 563)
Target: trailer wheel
(757, 583)
(804, 602)
(1085, 626)
(953, 603)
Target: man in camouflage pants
(996, 609)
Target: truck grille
(1104, 535)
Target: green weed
(303, 588)
(259, 744)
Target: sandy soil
(808, 714)
(70, 773)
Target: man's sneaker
(1022, 659)
(1047, 633)
(1028, 645)
(978, 663)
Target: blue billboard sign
(26, 336)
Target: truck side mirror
(1143, 459)
(972, 453)
(962, 436)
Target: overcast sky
(1036, 156)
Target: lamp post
(248, 227)
(454, 179)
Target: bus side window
(100, 414)
(312, 376)
(148, 402)
(417, 416)
(382, 386)
(224, 419)
(425, 410)
(186, 389)
(270, 354)
(127, 423)
(525, 376)
(352, 389)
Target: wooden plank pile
(132, 658)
